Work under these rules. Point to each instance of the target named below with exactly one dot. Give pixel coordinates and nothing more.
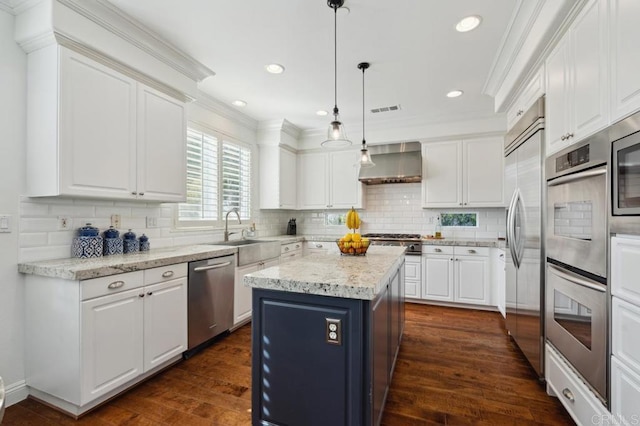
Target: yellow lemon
(356, 237)
(347, 237)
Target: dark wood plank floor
(456, 367)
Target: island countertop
(332, 274)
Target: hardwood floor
(456, 367)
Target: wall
(396, 208)
(13, 67)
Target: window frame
(221, 138)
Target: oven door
(576, 323)
(577, 220)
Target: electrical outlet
(64, 223)
(152, 222)
(431, 220)
(334, 331)
(115, 221)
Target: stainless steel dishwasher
(210, 298)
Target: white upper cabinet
(577, 80)
(93, 131)
(465, 173)
(625, 58)
(277, 178)
(329, 181)
(530, 93)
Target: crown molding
(15, 7)
(117, 22)
(210, 103)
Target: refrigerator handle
(519, 249)
(511, 228)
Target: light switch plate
(5, 223)
(152, 222)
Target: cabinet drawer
(290, 256)
(165, 273)
(111, 284)
(288, 248)
(412, 289)
(625, 329)
(318, 245)
(471, 251)
(579, 401)
(625, 393)
(437, 249)
(625, 268)
(412, 270)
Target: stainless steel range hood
(395, 163)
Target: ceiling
(416, 55)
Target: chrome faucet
(226, 223)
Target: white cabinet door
(625, 393)
(165, 322)
(498, 280)
(625, 58)
(577, 79)
(96, 134)
(288, 178)
(413, 277)
(437, 280)
(345, 190)
(625, 269)
(313, 181)
(161, 147)
(242, 294)
(442, 174)
(482, 172)
(556, 102)
(530, 93)
(112, 342)
(472, 280)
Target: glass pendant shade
(365, 157)
(336, 135)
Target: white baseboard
(16, 392)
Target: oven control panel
(572, 158)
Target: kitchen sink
(253, 251)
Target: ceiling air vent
(386, 109)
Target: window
(218, 179)
(459, 219)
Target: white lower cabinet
(291, 251)
(582, 404)
(242, 294)
(498, 279)
(625, 329)
(412, 276)
(91, 339)
(456, 274)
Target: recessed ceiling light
(469, 23)
(454, 93)
(239, 103)
(274, 68)
(322, 113)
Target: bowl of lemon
(352, 243)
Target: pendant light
(336, 136)
(365, 156)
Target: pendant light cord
(335, 61)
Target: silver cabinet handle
(297, 246)
(115, 284)
(141, 295)
(437, 250)
(167, 274)
(563, 137)
(134, 193)
(140, 193)
(502, 255)
(216, 266)
(286, 249)
(472, 251)
(568, 394)
(149, 293)
(520, 112)
(319, 245)
(569, 135)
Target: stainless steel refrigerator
(524, 178)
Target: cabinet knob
(141, 295)
(286, 249)
(149, 293)
(465, 204)
(134, 193)
(568, 394)
(167, 274)
(569, 135)
(297, 245)
(451, 259)
(520, 112)
(437, 250)
(502, 255)
(319, 246)
(140, 193)
(460, 203)
(472, 251)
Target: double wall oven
(576, 237)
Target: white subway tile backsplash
(40, 224)
(60, 238)
(73, 210)
(33, 239)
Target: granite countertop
(352, 277)
(478, 242)
(83, 269)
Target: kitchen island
(326, 334)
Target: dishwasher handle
(216, 266)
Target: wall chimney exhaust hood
(395, 163)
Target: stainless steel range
(413, 242)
